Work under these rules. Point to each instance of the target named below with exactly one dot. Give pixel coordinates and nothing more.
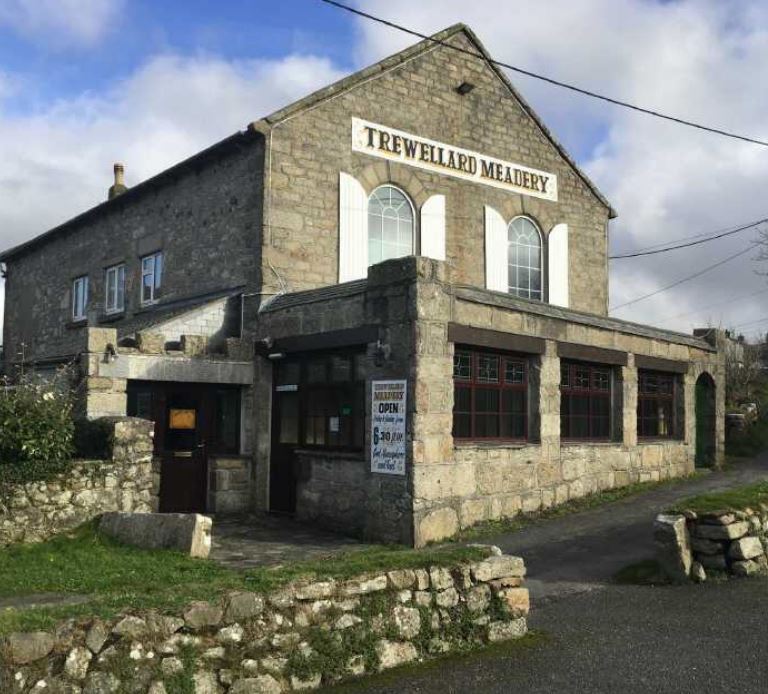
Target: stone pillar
(104, 396)
(549, 428)
(629, 402)
(262, 433)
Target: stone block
(504, 631)
(498, 567)
(437, 525)
(23, 648)
(673, 547)
(394, 653)
(701, 545)
(722, 532)
(516, 601)
(98, 339)
(745, 548)
(185, 532)
(194, 345)
(150, 343)
(201, 614)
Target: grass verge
(740, 498)
(118, 577)
(584, 503)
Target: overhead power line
(711, 306)
(549, 80)
(687, 278)
(637, 254)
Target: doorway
(193, 422)
(705, 421)
(317, 404)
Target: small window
(490, 396)
(79, 298)
(585, 401)
(656, 404)
(524, 258)
(151, 277)
(114, 301)
(390, 225)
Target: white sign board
(388, 411)
(438, 157)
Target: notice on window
(388, 402)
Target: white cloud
(61, 21)
(702, 60)
(58, 163)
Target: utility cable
(687, 278)
(637, 254)
(543, 78)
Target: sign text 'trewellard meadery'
(396, 145)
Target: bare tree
(743, 367)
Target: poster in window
(388, 411)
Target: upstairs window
(490, 396)
(151, 278)
(114, 301)
(524, 259)
(656, 404)
(585, 401)
(390, 225)
(80, 298)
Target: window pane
(390, 225)
(228, 420)
(158, 270)
(486, 400)
(524, 258)
(487, 368)
(341, 369)
(462, 366)
(515, 371)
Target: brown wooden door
(184, 468)
(285, 441)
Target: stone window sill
(111, 317)
(479, 443)
(587, 442)
(656, 441)
(77, 324)
(319, 453)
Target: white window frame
(114, 296)
(80, 298)
(541, 259)
(151, 271)
(414, 228)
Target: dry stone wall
(296, 638)
(691, 545)
(125, 482)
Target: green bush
(750, 441)
(36, 430)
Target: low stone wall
(296, 638)
(38, 510)
(690, 545)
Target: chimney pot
(119, 187)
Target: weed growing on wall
(36, 429)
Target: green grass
(117, 577)
(749, 496)
(584, 503)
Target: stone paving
(245, 542)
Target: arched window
(390, 225)
(524, 258)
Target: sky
(85, 83)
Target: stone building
(382, 308)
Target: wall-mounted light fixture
(110, 354)
(465, 88)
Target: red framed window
(656, 404)
(490, 395)
(585, 401)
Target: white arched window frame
(525, 253)
(391, 224)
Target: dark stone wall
(207, 221)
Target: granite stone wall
(36, 511)
(297, 638)
(417, 93)
(452, 484)
(206, 220)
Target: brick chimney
(119, 187)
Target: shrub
(751, 441)
(36, 429)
